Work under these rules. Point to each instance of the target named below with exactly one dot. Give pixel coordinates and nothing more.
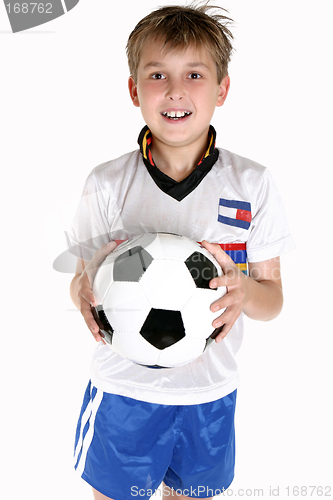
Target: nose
(175, 90)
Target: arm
(259, 295)
(265, 297)
(81, 287)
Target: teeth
(176, 114)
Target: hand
(237, 290)
(85, 294)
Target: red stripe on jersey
(150, 158)
(232, 246)
(224, 246)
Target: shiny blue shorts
(125, 448)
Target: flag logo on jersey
(235, 213)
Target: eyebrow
(155, 64)
(198, 65)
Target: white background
(65, 109)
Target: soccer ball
(154, 299)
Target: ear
(223, 91)
(133, 90)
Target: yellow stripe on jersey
(210, 144)
(144, 144)
(242, 267)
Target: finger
(91, 323)
(232, 277)
(226, 321)
(87, 295)
(88, 317)
(223, 325)
(220, 255)
(222, 303)
(214, 249)
(219, 281)
(223, 333)
(85, 309)
(85, 289)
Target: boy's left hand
(237, 290)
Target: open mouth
(176, 115)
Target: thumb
(103, 252)
(98, 258)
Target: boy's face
(177, 93)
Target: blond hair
(180, 27)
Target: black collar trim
(178, 190)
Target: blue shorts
(125, 448)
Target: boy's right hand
(85, 294)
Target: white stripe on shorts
(88, 415)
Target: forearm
(75, 283)
(74, 290)
(264, 299)
(81, 287)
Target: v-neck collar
(178, 190)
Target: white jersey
(235, 204)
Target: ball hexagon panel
(126, 306)
(167, 284)
(172, 247)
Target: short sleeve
(90, 227)
(270, 236)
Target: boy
(139, 426)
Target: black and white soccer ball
(154, 299)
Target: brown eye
(157, 76)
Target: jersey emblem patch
(235, 213)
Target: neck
(178, 162)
